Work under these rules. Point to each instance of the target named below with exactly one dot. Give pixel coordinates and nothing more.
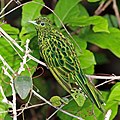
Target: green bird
(60, 56)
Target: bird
(61, 58)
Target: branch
(103, 77)
(102, 7)
(108, 78)
(3, 9)
(24, 57)
(115, 8)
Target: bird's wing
(61, 59)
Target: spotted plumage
(60, 56)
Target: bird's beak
(33, 22)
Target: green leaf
(8, 117)
(62, 9)
(23, 85)
(78, 97)
(56, 101)
(115, 93)
(31, 11)
(79, 44)
(86, 59)
(112, 105)
(108, 41)
(99, 23)
(77, 11)
(3, 107)
(27, 32)
(8, 53)
(71, 107)
(9, 29)
(89, 70)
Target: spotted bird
(60, 56)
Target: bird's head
(41, 23)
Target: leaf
(89, 70)
(77, 11)
(86, 59)
(79, 44)
(71, 107)
(115, 93)
(30, 11)
(108, 41)
(9, 29)
(23, 85)
(99, 23)
(78, 97)
(56, 101)
(3, 107)
(112, 105)
(7, 117)
(62, 9)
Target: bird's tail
(93, 94)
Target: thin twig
(3, 9)
(24, 58)
(104, 83)
(28, 107)
(13, 9)
(103, 7)
(103, 77)
(115, 8)
(54, 113)
(99, 8)
(108, 78)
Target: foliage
(85, 29)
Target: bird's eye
(42, 23)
